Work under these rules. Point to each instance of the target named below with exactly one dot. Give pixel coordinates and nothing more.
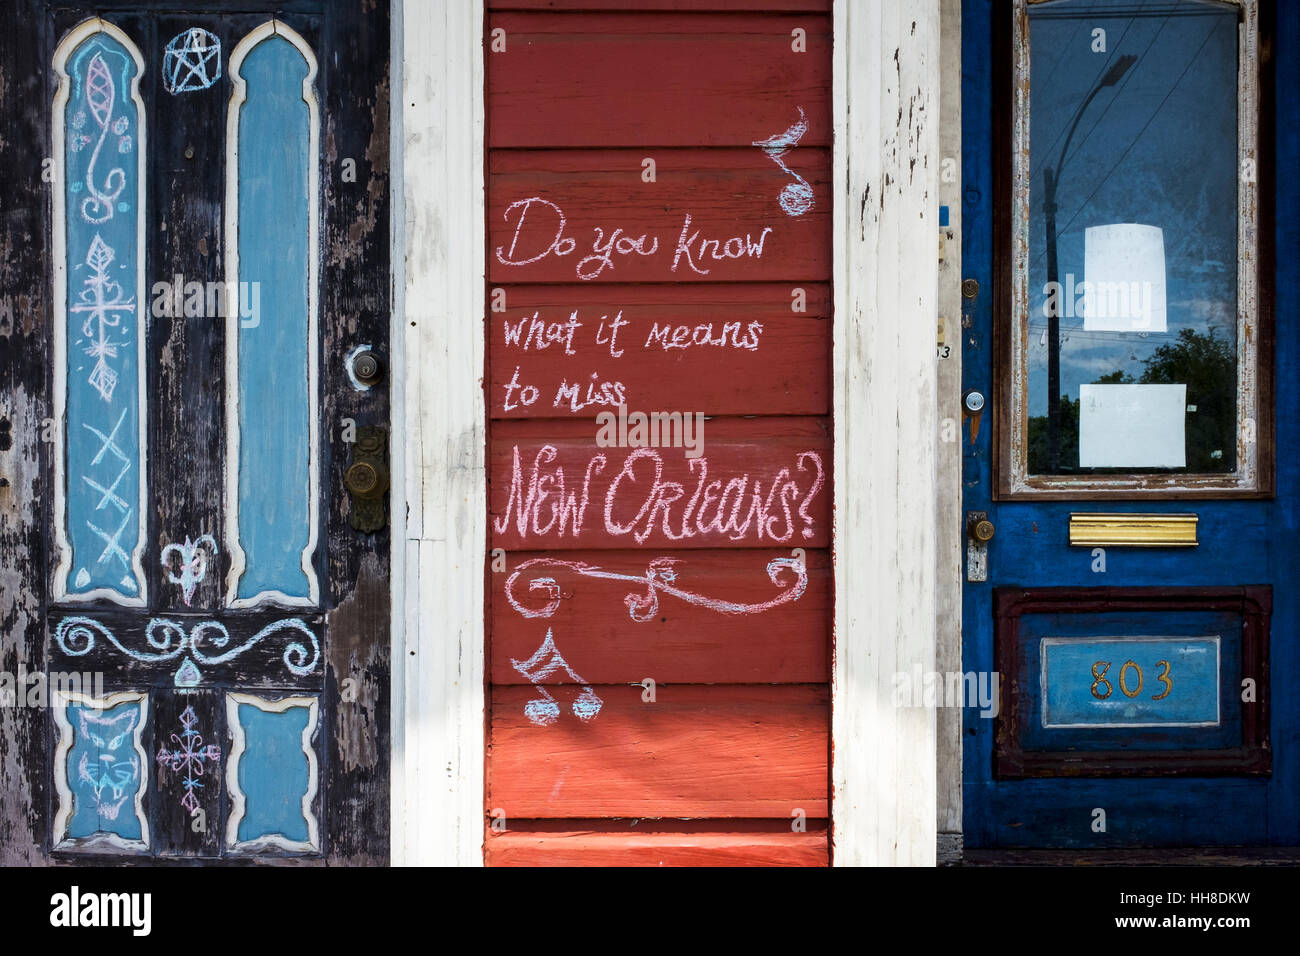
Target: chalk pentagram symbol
(191, 61)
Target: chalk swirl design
(789, 575)
(168, 639)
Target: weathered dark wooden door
(193, 533)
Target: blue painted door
(1149, 685)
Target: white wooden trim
(951, 533)
(886, 279)
(439, 488)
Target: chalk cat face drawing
(115, 769)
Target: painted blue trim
(274, 329)
(102, 131)
(274, 774)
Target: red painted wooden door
(658, 386)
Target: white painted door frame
(886, 69)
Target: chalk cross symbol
(102, 302)
(189, 757)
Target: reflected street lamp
(1051, 179)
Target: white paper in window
(1132, 426)
(1124, 273)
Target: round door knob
(982, 531)
(973, 401)
(364, 480)
(368, 367)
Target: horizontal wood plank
(684, 6)
(712, 215)
(733, 349)
(661, 79)
(585, 848)
(677, 641)
(697, 751)
(760, 482)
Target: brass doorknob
(982, 530)
(366, 479)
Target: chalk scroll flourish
(789, 575)
(168, 639)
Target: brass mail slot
(1133, 530)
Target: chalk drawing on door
(167, 640)
(100, 453)
(789, 575)
(797, 197)
(545, 663)
(191, 61)
(104, 305)
(101, 97)
(193, 563)
(190, 756)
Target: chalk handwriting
(533, 240)
(640, 501)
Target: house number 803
(1125, 680)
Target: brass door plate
(366, 479)
(1133, 530)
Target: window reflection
(1132, 245)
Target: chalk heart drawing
(797, 197)
(193, 563)
(789, 575)
(191, 61)
(101, 98)
(168, 640)
(543, 665)
(189, 756)
(114, 772)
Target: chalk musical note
(797, 197)
(544, 664)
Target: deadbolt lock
(366, 479)
(368, 367)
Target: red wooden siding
(605, 80)
(784, 374)
(698, 292)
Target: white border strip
(886, 70)
(237, 97)
(439, 486)
(238, 802)
(100, 841)
(67, 46)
